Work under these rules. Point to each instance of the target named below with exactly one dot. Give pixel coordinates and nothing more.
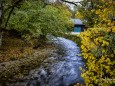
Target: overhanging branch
(71, 2)
(12, 8)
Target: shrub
(98, 50)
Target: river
(61, 70)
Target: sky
(71, 6)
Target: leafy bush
(53, 20)
(25, 20)
(98, 50)
(98, 12)
(33, 20)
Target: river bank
(18, 70)
(61, 66)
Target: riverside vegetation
(98, 42)
(24, 25)
(27, 23)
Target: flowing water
(62, 69)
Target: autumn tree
(95, 12)
(98, 44)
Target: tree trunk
(2, 4)
(2, 11)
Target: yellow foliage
(98, 49)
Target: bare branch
(71, 2)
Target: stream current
(61, 70)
